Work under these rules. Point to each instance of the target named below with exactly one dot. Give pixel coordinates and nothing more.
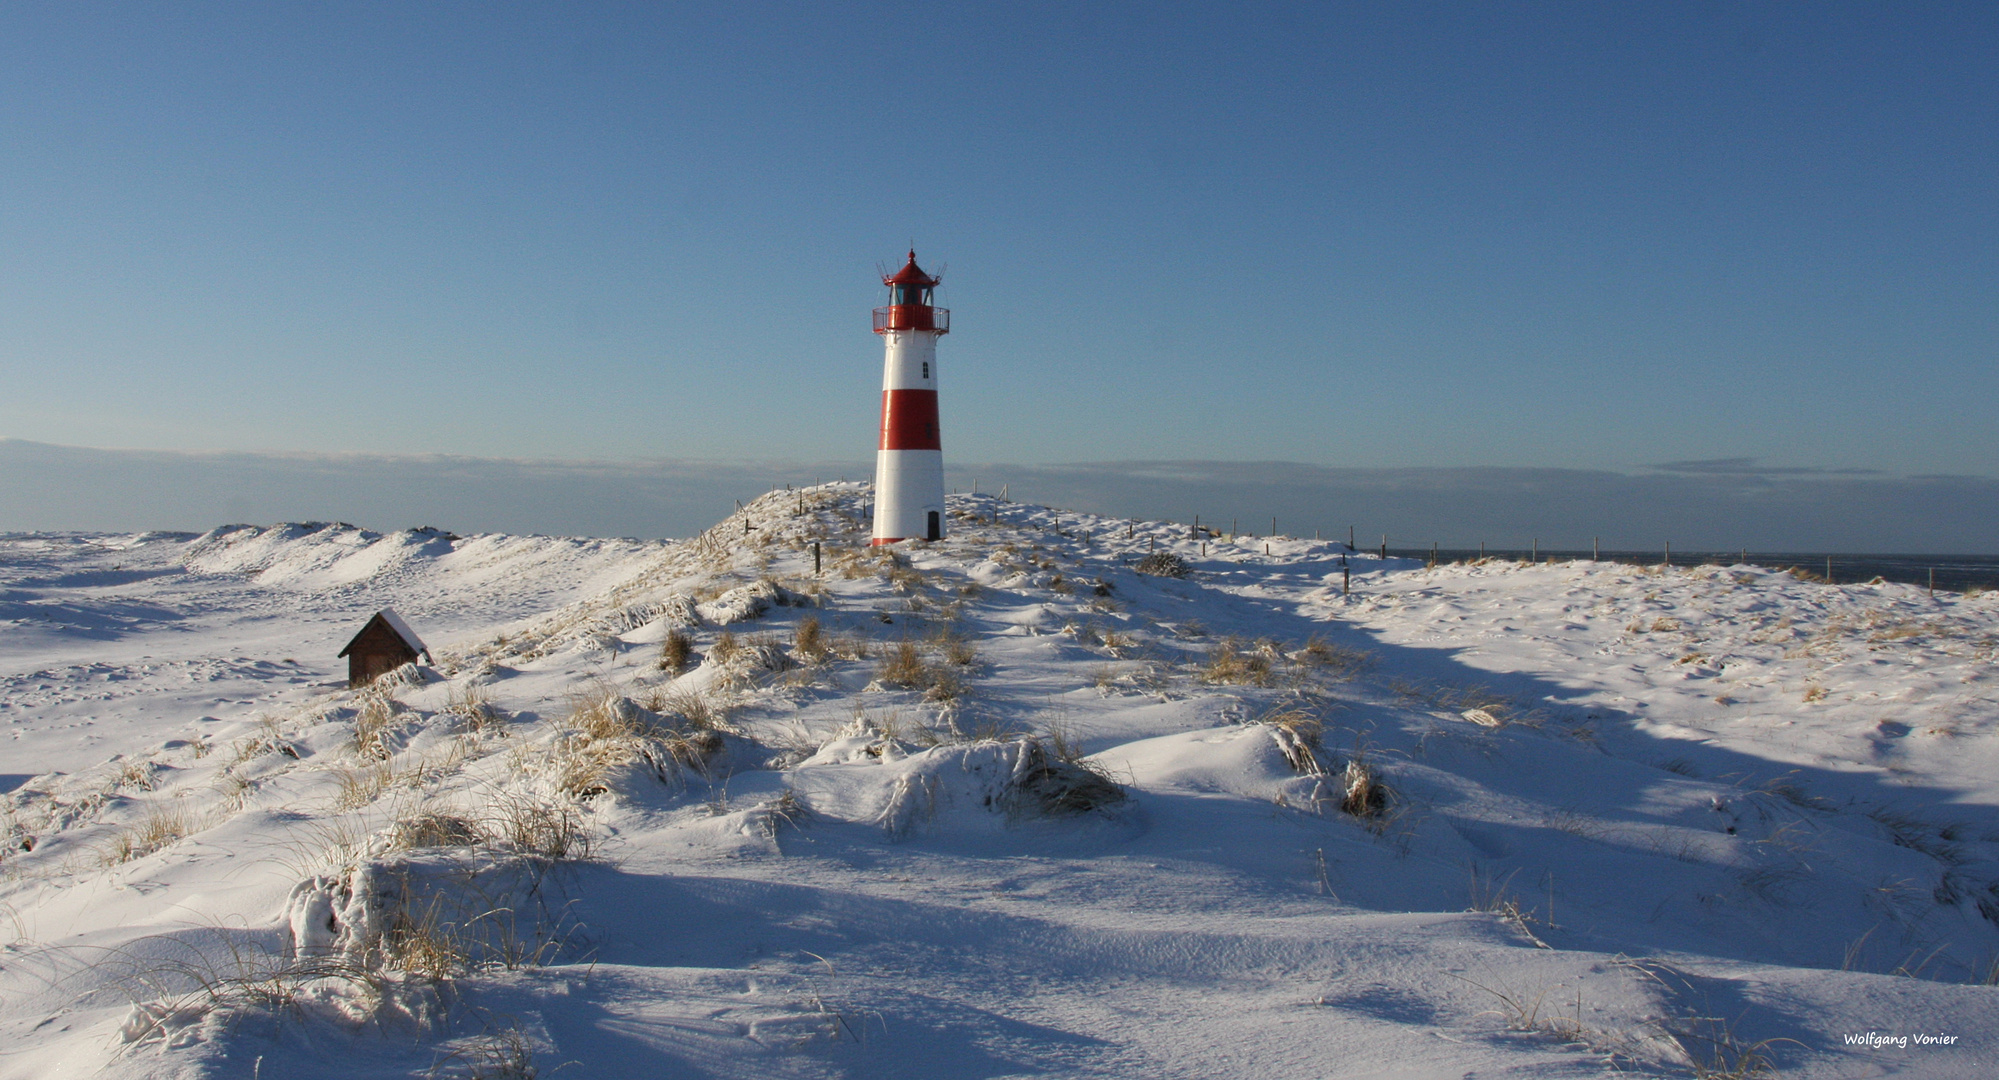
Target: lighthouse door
(936, 530)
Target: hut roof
(389, 618)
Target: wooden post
(1828, 569)
(1595, 548)
(1233, 522)
(815, 558)
(1350, 546)
(1933, 582)
(1273, 526)
(1130, 530)
(1481, 551)
(1266, 547)
(1535, 556)
(1669, 554)
(1195, 532)
(1346, 579)
(1204, 549)
(1384, 547)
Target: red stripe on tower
(909, 420)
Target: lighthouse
(909, 461)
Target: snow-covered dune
(1059, 796)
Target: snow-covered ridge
(999, 805)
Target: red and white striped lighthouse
(909, 463)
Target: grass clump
(432, 829)
(607, 732)
(370, 725)
(725, 647)
(1342, 662)
(1053, 779)
(1229, 664)
(1297, 734)
(161, 827)
(809, 642)
(903, 665)
(359, 787)
(1364, 796)
(475, 710)
(542, 828)
(676, 651)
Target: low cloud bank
(1695, 505)
(1722, 510)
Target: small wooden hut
(383, 645)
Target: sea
(1957, 573)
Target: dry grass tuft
(903, 666)
(1229, 664)
(136, 776)
(725, 647)
(960, 652)
(376, 714)
(475, 710)
(947, 684)
(432, 829)
(1342, 662)
(359, 787)
(1365, 796)
(541, 828)
(809, 641)
(1297, 734)
(690, 710)
(1048, 784)
(162, 826)
(676, 651)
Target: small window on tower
(926, 369)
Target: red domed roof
(911, 274)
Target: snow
(1001, 805)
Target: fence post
(815, 558)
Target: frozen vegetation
(1059, 796)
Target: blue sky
(1597, 236)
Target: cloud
(63, 487)
(1746, 466)
(1563, 508)
(58, 487)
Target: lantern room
(909, 302)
